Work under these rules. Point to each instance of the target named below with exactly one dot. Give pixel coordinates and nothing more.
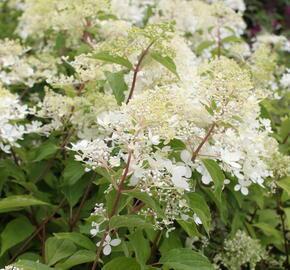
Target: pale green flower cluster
(17, 67)
(72, 16)
(263, 65)
(239, 251)
(81, 111)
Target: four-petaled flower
(108, 244)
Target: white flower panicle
(12, 111)
(65, 15)
(18, 68)
(94, 153)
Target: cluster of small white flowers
(10, 267)
(101, 214)
(281, 42)
(80, 111)
(240, 250)
(11, 112)
(114, 28)
(66, 15)
(285, 80)
(93, 153)
(132, 11)
(56, 107)
(234, 4)
(18, 68)
(215, 21)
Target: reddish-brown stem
(113, 211)
(36, 232)
(203, 142)
(23, 94)
(137, 69)
(154, 246)
(136, 208)
(74, 220)
(15, 157)
(87, 35)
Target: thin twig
(113, 211)
(137, 69)
(154, 246)
(136, 208)
(203, 142)
(15, 157)
(86, 194)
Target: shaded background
(270, 15)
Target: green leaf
(57, 249)
(15, 232)
(287, 213)
(202, 46)
(80, 257)
(14, 202)
(105, 56)
(269, 230)
(176, 144)
(185, 259)
(148, 200)
(31, 256)
(171, 242)
(189, 228)
(12, 170)
(74, 192)
(264, 113)
(199, 206)
(122, 263)
(285, 129)
(129, 222)
(77, 238)
(30, 265)
(165, 61)
(60, 43)
(117, 83)
(141, 246)
(45, 150)
(284, 184)
(232, 39)
(72, 172)
(216, 174)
